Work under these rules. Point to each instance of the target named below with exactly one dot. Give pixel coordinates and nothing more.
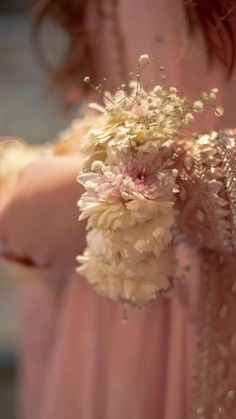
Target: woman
(78, 359)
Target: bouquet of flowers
(130, 178)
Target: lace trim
(205, 211)
(215, 367)
(227, 149)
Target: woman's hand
(39, 222)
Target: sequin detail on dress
(208, 215)
(215, 367)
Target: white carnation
(119, 282)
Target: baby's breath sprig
(157, 115)
(99, 88)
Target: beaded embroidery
(208, 210)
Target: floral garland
(131, 184)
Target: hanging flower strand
(130, 180)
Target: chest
(129, 28)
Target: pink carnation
(142, 177)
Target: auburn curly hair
(214, 18)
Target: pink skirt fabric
(81, 361)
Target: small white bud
(144, 59)
(219, 111)
(87, 79)
(189, 118)
(175, 172)
(157, 90)
(198, 106)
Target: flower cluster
(130, 211)
(130, 180)
(141, 120)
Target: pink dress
(79, 359)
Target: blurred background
(26, 111)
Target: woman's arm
(39, 221)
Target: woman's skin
(42, 209)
